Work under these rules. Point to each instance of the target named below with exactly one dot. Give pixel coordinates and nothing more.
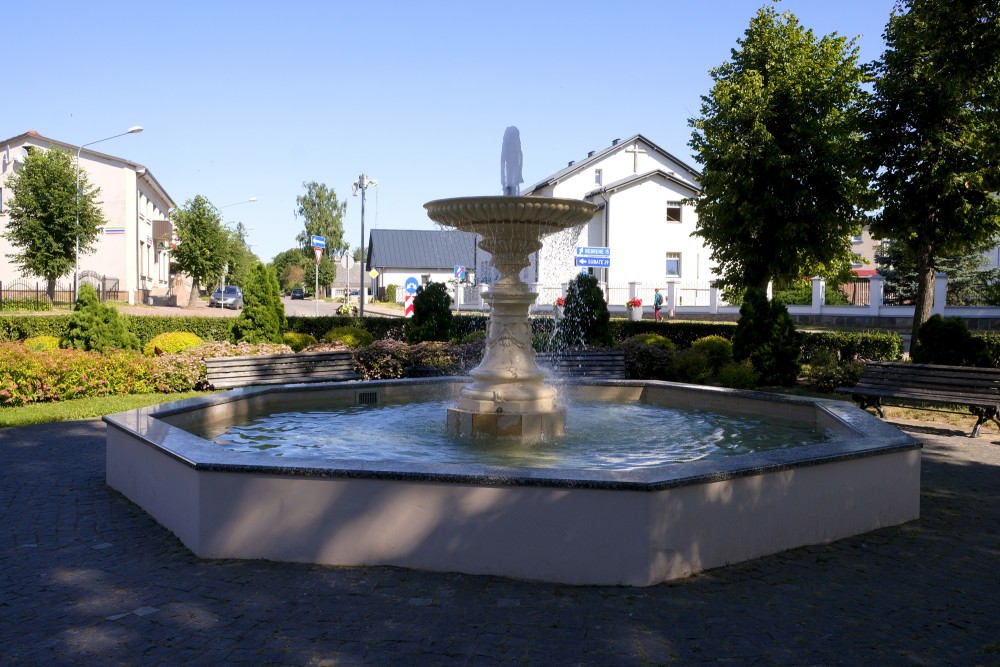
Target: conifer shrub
(95, 326)
(766, 336)
(352, 337)
(431, 314)
(263, 317)
(171, 343)
(691, 366)
(585, 321)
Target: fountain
(631, 526)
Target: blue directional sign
(592, 251)
(459, 272)
(411, 285)
(318, 241)
(601, 262)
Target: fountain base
(535, 425)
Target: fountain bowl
(635, 527)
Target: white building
(645, 217)
(134, 244)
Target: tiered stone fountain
(508, 395)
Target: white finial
(510, 162)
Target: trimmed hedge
(854, 346)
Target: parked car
(229, 296)
(297, 293)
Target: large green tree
(778, 140)
(934, 134)
(44, 226)
(239, 258)
(204, 244)
(297, 267)
(323, 215)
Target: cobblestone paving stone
(87, 578)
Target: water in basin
(608, 436)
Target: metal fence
(26, 295)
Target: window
(856, 239)
(857, 260)
(673, 265)
(598, 176)
(425, 279)
(1, 200)
(673, 211)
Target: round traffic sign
(411, 285)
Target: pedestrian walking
(657, 304)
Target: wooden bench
(976, 388)
(598, 365)
(229, 372)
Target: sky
(254, 99)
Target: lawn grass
(85, 408)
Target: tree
(586, 320)
(778, 137)
(240, 260)
(262, 319)
(934, 134)
(969, 278)
(296, 267)
(767, 337)
(203, 248)
(323, 216)
(43, 215)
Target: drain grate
(366, 398)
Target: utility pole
(363, 183)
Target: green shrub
(63, 374)
(474, 336)
(431, 314)
(39, 343)
(655, 339)
(390, 293)
(298, 341)
(717, 350)
(691, 366)
(826, 372)
(645, 361)
(738, 375)
(352, 337)
(96, 326)
(853, 346)
(38, 305)
(947, 341)
(171, 343)
(389, 359)
(585, 321)
(766, 336)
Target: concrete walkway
(86, 578)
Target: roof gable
(636, 179)
(598, 156)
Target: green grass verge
(85, 408)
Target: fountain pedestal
(508, 395)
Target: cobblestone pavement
(87, 578)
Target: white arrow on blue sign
(602, 262)
(318, 241)
(590, 251)
(411, 285)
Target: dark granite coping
(875, 438)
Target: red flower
(560, 301)
(634, 303)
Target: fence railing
(27, 295)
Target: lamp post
(135, 129)
(363, 183)
(241, 230)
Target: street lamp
(135, 129)
(363, 183)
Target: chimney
(571, 163)
(614, 142)
(591, 153)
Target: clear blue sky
(251, 99)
